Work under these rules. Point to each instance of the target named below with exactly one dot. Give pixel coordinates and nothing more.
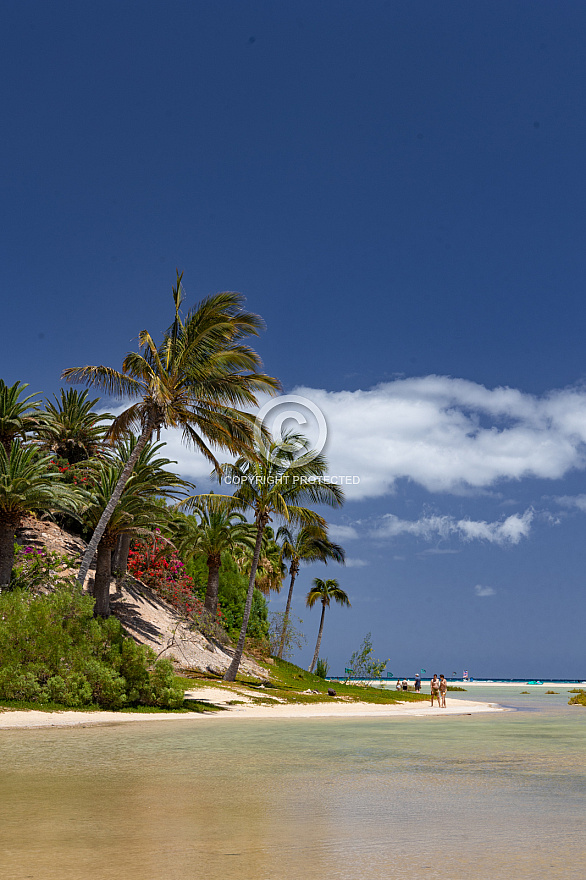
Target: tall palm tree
(307, 544)
(194, 380)
(271, 569)
(17, 414)
(216, 528)
(70, 428)
(28, 481)
(138, 511)
(272, 484)
(324, 592)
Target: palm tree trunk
(232, 670)
(294, 571)
(120, 553)
(211, 600)
(321, 629)
(102, 580)
(7, 534)
(116, 553)
(111, 505)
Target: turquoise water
(482, 796)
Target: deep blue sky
(397, 188)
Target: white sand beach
(31, 718)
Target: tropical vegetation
(194, 379)
(324, 592)
(52, 650)
(364, 664)
(215, 558)
(277, 481)
(305, 545)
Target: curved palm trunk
(102, 580)
(321, 629)
(213, 587)
(8, 526)
(111, 505)
(232, 670)
(294, 570)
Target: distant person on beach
(398, 685)
(405, 684)
(417, 683)
(443, 689)
(435, 689)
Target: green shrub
(322, 668)
(37, 568)
(53, 650)
(364, 664)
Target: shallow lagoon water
(458, 798)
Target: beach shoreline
(32, 719)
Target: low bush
(578, 700)
(53, 651)
(322, 668)
(36, 568)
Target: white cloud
(342, 533)
(447, 435)
(578, 501)
(450, 435)
(356, 563)
(484, 591)
(429, 528)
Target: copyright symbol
(273, 417)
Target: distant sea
(479, 797)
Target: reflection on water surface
(476, 797)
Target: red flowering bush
(157, 565)
(70, 473)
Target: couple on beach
(439, 687)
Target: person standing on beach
(443, 689)
(435, 689)
(417, 683)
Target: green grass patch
(290, 682)
(578, 700)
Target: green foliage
(296, 685)
(322, 668)
(36, 568)
(578, 700)
(294, 638)
(232, 597)
(362, 662)
(53, 651)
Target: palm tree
(193, 380)
(138, 512)
(324, 592)
(272, 484)
(28, 481)
(271, 569)
(70, 428)
(308, 544)
(17, 416)
(216, 528)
